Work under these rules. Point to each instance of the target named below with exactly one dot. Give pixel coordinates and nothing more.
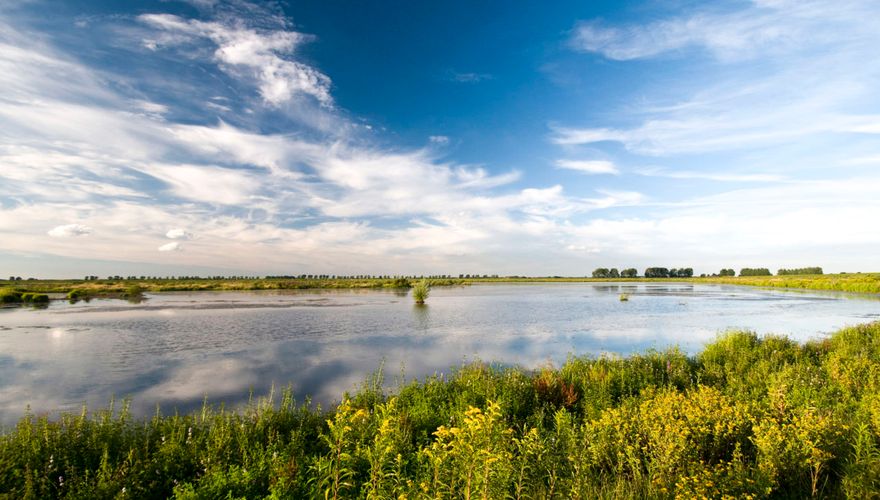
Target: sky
(211, 137)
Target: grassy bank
(748, 417)
(119, 287)
(853, 283)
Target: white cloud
(589, 166)
(262, 56)
(178, 234)
(710, 176)
(757, 30)
(204, 183)
(174, 246)
(784, 73)
(439, 139)
(69, 230)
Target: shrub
(420, 291)
(10, 296)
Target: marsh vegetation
(748, 417)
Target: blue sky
(208, 137)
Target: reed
(420, 291)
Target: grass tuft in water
(420, 291)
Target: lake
(175, 348)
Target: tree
(600, 272)
(613, 273)
(629, 273)
(656, 272)
(754, 271)
(727, 272)
(685, 272)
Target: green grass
(420, 291)
(13, 296)
(853, 283)
(124, 287)
(749, 417)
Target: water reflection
(422, 315)
(175, 349)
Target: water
(176, 348)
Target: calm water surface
(176, 348)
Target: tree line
(687, 272)
(651, 272)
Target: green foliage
(630, 272)
(853, 282)
(754, 271)
(420, 291)
(749, 417)
(13, 296)
(601, 272)
(10, 296)
(800, 270)
(727, 272)
(656, 272)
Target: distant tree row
(603, 272)
(727, 272)
(800, 270)
(662, 272)
(754, 271)
(651, 272)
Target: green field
(748, 417)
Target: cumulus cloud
(69, 230)
(178, 234)
(174, 246)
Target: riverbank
(851, 283)
(748, 417)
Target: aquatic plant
(420, 291)
(624, 297)
(9, 296)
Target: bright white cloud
(174, 246)
(178, 234)
(69, 230)
(262, 56)
(204, 183)
(588, 166)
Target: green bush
(420, 291)
(10, 296)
